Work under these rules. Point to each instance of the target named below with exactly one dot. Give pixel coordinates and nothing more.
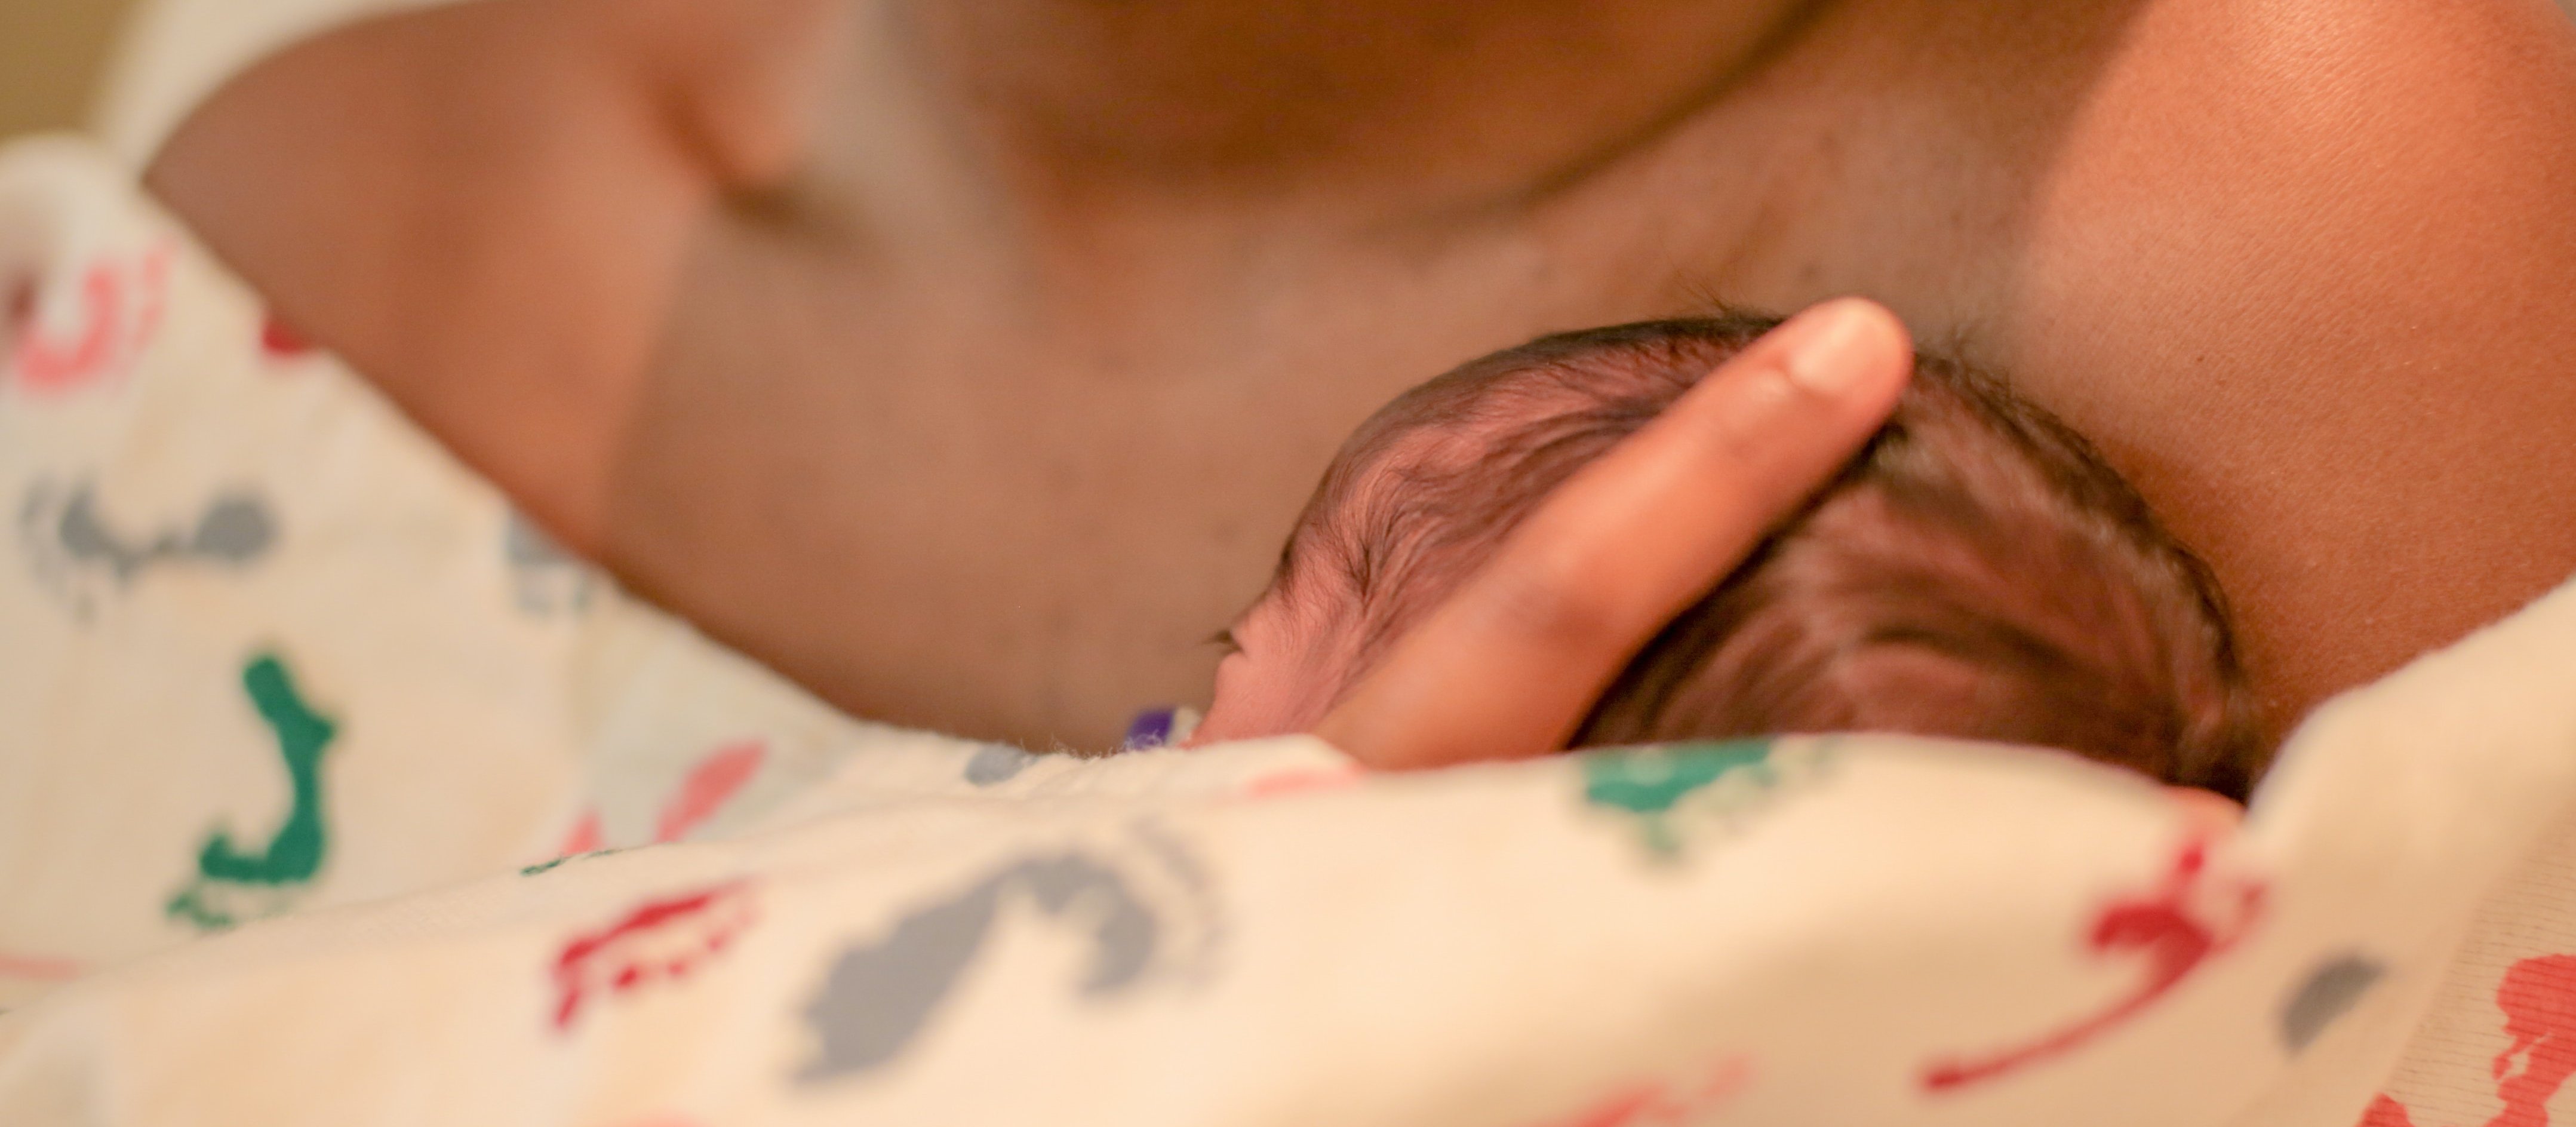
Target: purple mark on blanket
(1151, 728)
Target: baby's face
(1289, 659)
(1314, 633)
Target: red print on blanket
(2538, 997)
(280, 341)
(711, 783)
(39, 968)
(121, 301)
(659, 939)
(2172, 929)
(1665, 1103)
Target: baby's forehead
(1449, 464)
(1439, 473)
(1487, 410)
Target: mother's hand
(1509, 665)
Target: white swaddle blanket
(271, 653)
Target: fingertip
(1846, 348)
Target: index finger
(1508, 666)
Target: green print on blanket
(233, 883)
(1660, 785)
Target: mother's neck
(1418, 98)
(493, 202)
(496, 203)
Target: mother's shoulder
(2305, 270)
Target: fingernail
(1828, 349)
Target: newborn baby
(1977, 571)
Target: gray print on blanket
(878, 996)
(995, 764)
(78, 553)
(544, 578)
(2328, 993)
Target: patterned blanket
(329, 793)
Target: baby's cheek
(1256, 698)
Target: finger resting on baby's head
(1506, 667)
(1660, 518)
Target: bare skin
(965, 362)
(1508, 665)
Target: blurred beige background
(50, 52)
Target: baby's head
(1976, 572)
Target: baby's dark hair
(1977, 571)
